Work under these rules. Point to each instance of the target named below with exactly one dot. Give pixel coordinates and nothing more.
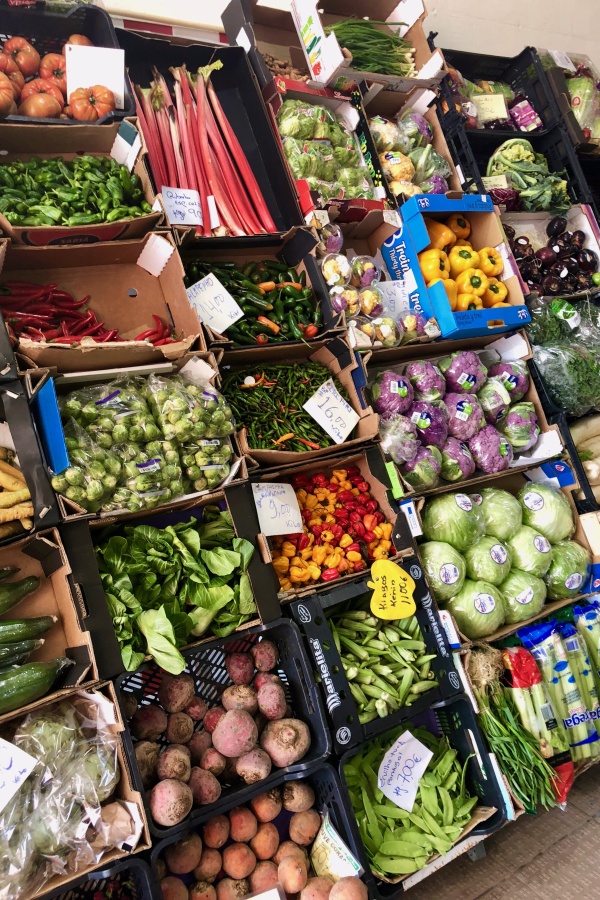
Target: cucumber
(23, 629)
(10, 594)
(8, 652)
(7, 571)
(21, 686)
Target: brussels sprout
(74, 476)
(120, 433)
(105, 423)
(72, 407)
(59, 484)
(95, 470)
(171, 457)
(199, 430)
(112, 465)
(200, 484)
(76, 494)
(110, 483)
(71, 443)
(104, 440)
(216, 476)
(95, 490)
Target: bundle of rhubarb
(44, 313)
(192, 145)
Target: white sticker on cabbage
(484, 603)
(525, 596)
(533, 501)
(498, 554)
(572, 582)
(463, 502)
(541, 543)
(449, 573)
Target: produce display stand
(174, 638)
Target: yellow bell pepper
(468, 301)
(440, 236)
(496, 293)
(500, 304)
(281, 565)
(386, 528)
(462, 243)
(461, 259)
(450, 288)
(459, 225)
(490, 262)
(434, 264)
(472, 281)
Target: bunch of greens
(375, 50)
(528, 173)
(165, 586)
(572, 376)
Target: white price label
(182, 207)
(215, 306)
(277, 508)
(392, 217)
(562, 60)
(401, 770)
(15, 767)
(330, 410)
(87, 66)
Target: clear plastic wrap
(310, 158)
(93, 474)
(427, 380)
(572, 376)
(152, 477)
(523, 595)
(478, 609)
(414, 129)
(380, 332)
(388, 136)
(546, 509)
(568, 570)
(453, 518)
(491, 450)
(187, 411)
(305, 121)
(465, 415)
(445, 567)
(520, 427)
(206, 464)
(399, 438)
(114, 413)
(457, 462)
(428, 162)
(488, 559)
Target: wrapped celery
(587, 622)
(582, 669)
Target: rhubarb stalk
(145, 114)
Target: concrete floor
(551, 856)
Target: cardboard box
(145, 277)
(124, 791)
(119, 140)
(401, 254)
(77, 627)
(299, 34)
(491, 351)
(297, 250)
(344, 366)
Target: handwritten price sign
(393, 590)
(330, 410)
(277, 508)
(15, 767)
(401, 770)
(215, 306)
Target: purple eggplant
(546, 256)
(584, 282)
(588, 261)
(578, 240)
(555, 226)
(509, 231)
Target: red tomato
(24, 54)
(7, 96)
(79, 39)
(53, 67)
(90, 104)
(9, 67)
(42, 86)
(40, 106)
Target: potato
(212, 761)
(209, 866)
(180, 728)
(240, 696)
(265, 655)
(267, 806)
(236, 733)
(212, 717)
(215, 832)
(200, 742)
(265, 842)
(286, 741)
(183, 856)
(351, 888)
(304, 827)
(146, 754)
(292, 873)
(148, 722)
(173, 888)
(243, 824)
(170, 802)
(254, 766)
(176, 692)
(204, 786)
(289, 848)
(298, 796)
(202, 890)
(174, 762)
(264, 876)
(317, 889)
(240, 667)
(238, 860)
(230, 889)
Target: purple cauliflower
(399, 439)
(392, 394)
(490, 450)
(521, 428)
(424, 469)
(427, 380)
(465, 416)
(494, 400)
(457, 462)
(514, 376)
(416, 128)
(431, 422)
(464, 372)
(435, 184)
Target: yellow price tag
(393, 591)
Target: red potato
(173, 888)
(230, 889)
(180, 728)
(264, 876)
(236, 733)
(148, 722)
(215, 832)
(286, 741)
(174, 762)
(240, 667)
(204, 786)
(170, 802)
(254, 766)
(209, 866)
(292, 873)
(317, 889)
(212, 761)
(298, 796)
(147, 754)
(197, 709)
(243, 824)
(183, 856)
(271, 701)
(212, 718)
(200, 742)
(202, 890)
(128, 704)
(176, 692)
(240, 696)
(267, 806)
(289, 848)
(265, 655)
(238, 860)
(304, 827)
(265, 678)
(351, 888)
(265, 842)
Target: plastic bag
(305, 121)
(428, 162)
(93, 473)
(188, 411)
(206, 463)
(114, 413)
(152, 477)
(571, 375)
(399, 438)
(414, 130)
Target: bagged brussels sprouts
(568, 570)
(445, 569)
(454, 519)
(488, 559)
(502, 513)
(523, 595)
(152, 478)
(547, 510)
(114, 413)
(93, 474)
(478, 609)
(206, 464)
(187, 411)
(531, 551)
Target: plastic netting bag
(206, 463)
(150, 477)
(93, 474)
(189, 411)
(114, 413)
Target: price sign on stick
(393, 589)
(277, 508)
(401, 770)
(330, 410)
(215, 305)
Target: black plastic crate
(206, 664)
(456, 719)
(311, 615)
(129, 874)
(48, 30)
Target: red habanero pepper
(330, 574)
(369, 521)
(303, 542)
(334, 488)
(316, 530)
(368, 537)
(361, 510)
(319, 479)
(306, 514)
(337, 532)
(344, 496)
(355, 546)
(360, 565)
(300, 481)
(371, 506)
(380, 517)
(354, 516)
(310, 331)
(353, 470)
(342, 515)
(360, 529)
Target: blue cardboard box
(400, 252)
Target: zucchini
(8, 652)
(24, 629)
(21, 686)
(10, 594)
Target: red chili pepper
(109, 336)
(300, 481)
(311, 444)
(333, 487)
(337, 531)
(354, 516)
(379, 517)
(330, 575)
(344, 496)
(303, 542)
(316, 530)
(262, 339)
(361, 510)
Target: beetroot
(183, 856)
(180, 728)
(264, 876)
(236, 733)
(231, 889)
(265, 656)
(148, 722)
(240, 667)
(146, 754)
(298, 796)
(238, 860)
(197, 710)
(286, 741)
(265, 842)
(204, 786)
(170, 802)
(209, 866)
(212, 717)
(267, 806)
(176, 692)
(215, 833)
(212, 761)
(271, 701)
(173, 888)
(200, 742)
(174, 762)
(265, 678)
(253, 766)
(243, 824)
(304, 827)
(202, 890)
(240, 696)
